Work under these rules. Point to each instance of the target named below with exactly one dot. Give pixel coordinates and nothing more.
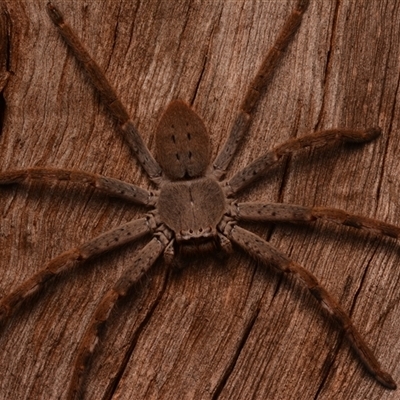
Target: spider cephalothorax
(193, 210)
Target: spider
(193, 209)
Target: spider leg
(101, 83)
(110, 186)
(141, 264)
(257, 88)
(112, 239)
(259, 166)
(259, 248)
(278, 212)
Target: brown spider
(193, 209)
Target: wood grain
(217, 329)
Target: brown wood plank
(217, 328)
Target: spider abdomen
(182, 142)
(192, 209)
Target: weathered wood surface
(219, 328)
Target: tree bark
(218, 328)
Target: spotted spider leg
(141, 263)
(127, 233)
(242, 123)
(261, 165)
(257, 88)
(112, 102)
(116, 237)
(279, 212)
(110, 186)
(262, 250)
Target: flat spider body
(192, 203)
(193, 209)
